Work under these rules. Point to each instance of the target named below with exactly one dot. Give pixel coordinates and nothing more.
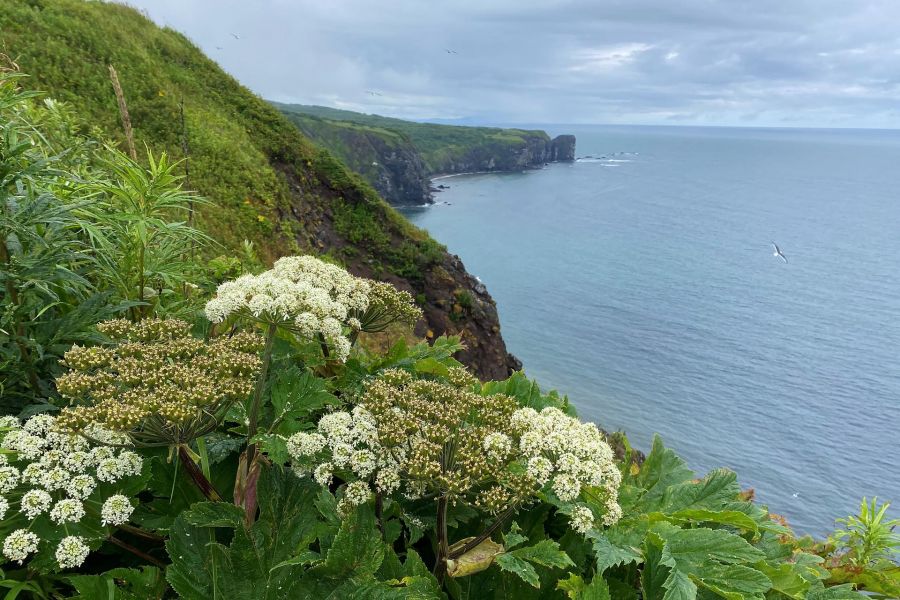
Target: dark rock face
(400, 175)
(562, 148)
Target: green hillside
(266, 182)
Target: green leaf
(786, 579)
(296, 393)
(513, 564)
(357, 548)
(697, 546)
(214, 514)
(120, 584)
(612, 552)
(661, 469)
(733, 518)
(576, 589)
(513, 537)
(545, 553)
(841, 592)
(654, 574)
(711, 493)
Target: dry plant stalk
(123, 110)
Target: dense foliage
(210, 429)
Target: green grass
(265, 180)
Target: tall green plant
(145, 248)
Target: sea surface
(642, 283)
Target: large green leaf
(654, 574)
(661, 469)
(147, 583)
(357, 549)
(841, 592)
(514, 564)
(710, 493)
(611, 549)
(545, 553)
(295, 394)
(699, 546)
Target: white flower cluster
(304, 292)
(348, 442)
(55, 473)
(569, 456)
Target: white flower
(305, 444)
(39, 424)
(110, 470)
(566, 487)
(27, 446)
(130, 462)
(341, 453)
(613, 513)
(497, 445)
(387, 480)
(71, 552)
(357, 493)
(9, 479)
(531, 443)
(77, 461)
(581, 519)
(4, 506)
(539, 468)
(19, 544)
(81, 486)
(68, 510)
(116, 510)
(523, 418)
(568, 463)
(363, 463)
(9, 422)
(101, 453)
(322, 474)
(337, 427)
(35, 502)
(33, 473)
(56, 478)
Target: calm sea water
(643, 285)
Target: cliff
(414, 152)
(266, 182)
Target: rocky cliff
(399, 157)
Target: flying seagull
(449, 51)
(235, 36)
(778, 252)
(218, 47)
(371, 93)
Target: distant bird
(371, 93)
(218, 47)
(235, 36)
(795, 495)
(449, 51)
(778, 252)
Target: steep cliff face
(562, 148)
(401, 177)
(265, 181)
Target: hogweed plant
(415, 438)
(158, 385)
(61, 495)
(313, 300)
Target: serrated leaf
(786, 579)
(545, 553)
(697, 546)
(513, 537)
(517, 566)
(734, 582)
(297, 392)
(609, 554)
(654, 574)
(576, 589)
(357, 549)
(661, 469)
(214, 514)
(733, 518)
(712, 492)
(841, 592)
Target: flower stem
(197, 475)
(255, 406)
(440, 566)
(136, 552)
(485, 534)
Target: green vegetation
(442, 147)
(263, 180)
(251, 449)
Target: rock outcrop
(399, 157)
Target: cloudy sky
(819, 63)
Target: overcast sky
(820, 63)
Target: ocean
(641, 282)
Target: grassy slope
(267, 183)
(439, 145)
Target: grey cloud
(762, 62)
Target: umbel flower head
(419, 437)
(314, 299)
(53, 480)
(156, 382)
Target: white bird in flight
(778, 252)
(236, 36)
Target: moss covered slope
(266, 181)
